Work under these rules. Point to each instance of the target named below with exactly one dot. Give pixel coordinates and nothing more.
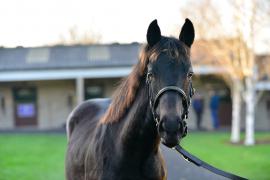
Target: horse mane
(126, 92)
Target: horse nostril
(171, 125)
(163, 125)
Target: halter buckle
(156, 119)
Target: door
(225, 111)
(25, 106)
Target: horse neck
(139, 131)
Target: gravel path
(180, 169)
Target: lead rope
(193, 159)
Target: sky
(31, 23)
(43, 22)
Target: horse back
(89, 110)
(81, 125)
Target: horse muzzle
(172, 130)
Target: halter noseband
(178, 91)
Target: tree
(75, 37)
(231, 47)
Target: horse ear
(187, 33)
(153, 33)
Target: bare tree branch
(75, 37)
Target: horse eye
(149, 76)
(190, 74)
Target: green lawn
(41, 157)
(32, 157)
(252, 162)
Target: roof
(104, 60)
(68, 57)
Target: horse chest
(151, 168)
(154, 167)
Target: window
(38, 55)
(93, 92)
(2, 103)
(98, 53)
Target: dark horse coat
(118, 139)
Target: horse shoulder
(90, 108)
(154, 167)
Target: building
(40, 86)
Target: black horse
(119, 139)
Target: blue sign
(26, 110)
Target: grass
(41, 157)
(252, 162)
(32, 157)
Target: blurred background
(55, 54)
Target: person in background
(214, 104)
(198, 104)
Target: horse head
(169, 81)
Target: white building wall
(57, 98)
(53, 102)
(6, 112)
(262, 115)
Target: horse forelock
(126, 92)
(172, 47)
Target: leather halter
(176, 89)
(179, 91)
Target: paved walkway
(180, 169)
